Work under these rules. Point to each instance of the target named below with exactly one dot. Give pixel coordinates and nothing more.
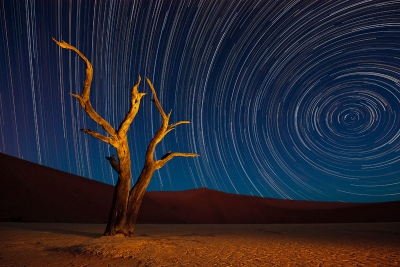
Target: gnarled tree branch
(178, 123)
(97, 135)
(155, 100)
(114, 163)
(161, 133)
(135, 103)
(168, 156)
(84, 98)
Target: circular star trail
(287, 99)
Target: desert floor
(41, 244)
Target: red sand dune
(31, 192)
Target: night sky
(287, 99)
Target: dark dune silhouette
(31, 192)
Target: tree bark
(117, 218)
(126, 201)
(136, 197)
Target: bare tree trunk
(126, 202)
(117, 219)
(136, 197)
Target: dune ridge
(35, 193)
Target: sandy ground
(40, 244)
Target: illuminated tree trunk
(136, 197)
(126, 201)
(117, 217)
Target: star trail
(287, 99)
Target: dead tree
(126, 201)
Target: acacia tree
(126, 201)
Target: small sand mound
(106, 246)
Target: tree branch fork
(116, 137)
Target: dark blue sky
(287, 99)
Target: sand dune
(31, 192)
